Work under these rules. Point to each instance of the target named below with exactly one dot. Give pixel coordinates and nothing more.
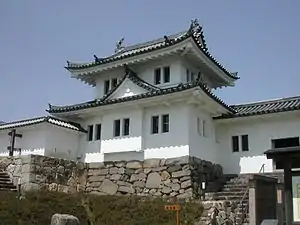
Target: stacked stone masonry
(181, 177)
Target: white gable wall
(128, 88)
(261, 132)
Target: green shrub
(37, 208)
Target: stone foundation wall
(180, 177)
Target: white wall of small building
(260, 130)
(61, 142)
(43, 139)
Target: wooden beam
(288, 191)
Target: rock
(178, 161)
(181, 173)
(113, 170)
(134, 165)
(115, 177)
(153, 180)
(53, 187)
(64, 219)
(175, 187)
(136, 177)
(165, 175)
(175, 168)
(185, 178)
(147, 170)
(150, 163)
(108, 187)
(166, 190)
(186, 184)
(96, 165)
(96, 179)
(121, 170)
(139, 184)
(126, 189)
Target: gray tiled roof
(195, 32)
(47, 119)
(264, 107)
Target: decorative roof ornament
(119, 46)
(168, 40)
(97, 59)
(195, 26)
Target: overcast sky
(258, 39)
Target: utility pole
(13, 134)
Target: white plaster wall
(140, 143)
(90, 150)
(61, 142)
(32, 142)
(132, 142)
(171, 144)
(261, 131)
(203, 147)
(146, 72)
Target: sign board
(172, 207)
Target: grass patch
(37, 208)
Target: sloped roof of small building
(38, 120)
(264, 107)
(195, 32)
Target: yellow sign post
(174, 208)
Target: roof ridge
(267, 101)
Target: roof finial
(194, 25)
(167, 39)
(96, 58)
(50, 106)
(68, 63)
(119, 45)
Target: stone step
(11, 186)
(231, 185)
(5, 179)
(228, 197)
(8, 189)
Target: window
(285, 142)
(188, 78)
(90, 132)
(154, 124)
(157, 76)
(98, 131)
(106, 86)
(235, 143)
(192, 76)
(166, 74)
(199, 126)
(114, 82)
(204, 133)
(165, 123)
(126, 126)
(117, 128)
(245, 143)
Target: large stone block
(64, 219)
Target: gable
(126, 89)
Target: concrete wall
(260, 130)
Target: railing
(246, 208)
